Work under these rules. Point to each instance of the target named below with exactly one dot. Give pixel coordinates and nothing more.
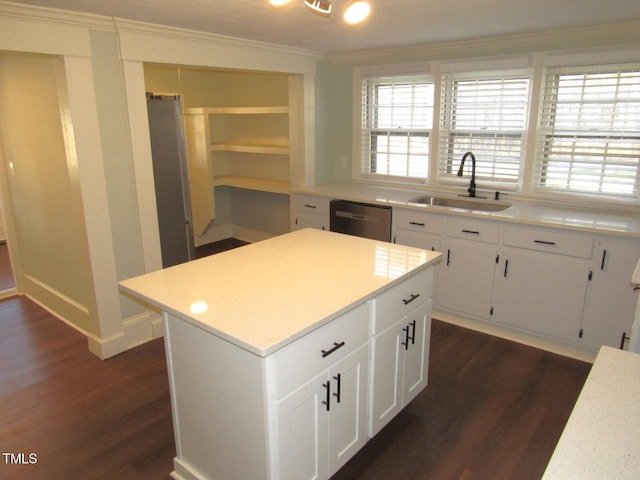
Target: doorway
(7, 277)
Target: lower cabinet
(611, 299)
(466, 277)
(322, 423)
(399, 370)
(542, 293)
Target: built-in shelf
(241, 147)
(245, 148)
(249, 183)
(241, 110)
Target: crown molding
(54, 16)
(570, 39)
(137, 27)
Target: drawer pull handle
(604, 256)
(337, 378)
(412, 297)
(327, 402)
(417, 224)
(309, 206)
(448, 256)
(506, 268)
(473, 232)
(336, 346)
(544, 242)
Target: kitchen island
(285, 356)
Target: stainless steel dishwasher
(361, 219)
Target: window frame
(536, 66)
(363, 129)
(546, 132)
(446, 158)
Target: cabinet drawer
(410, 238)
(547, 240)
(417, 221)
(395, 303)
(297, 363)
(310, 204)
(473, 229)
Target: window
(486, 115)
(589, 132)
(397, 118)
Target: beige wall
(36, 136)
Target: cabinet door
(386, 377)
(611, 299)
(302, 431)
(310, 220)
(347, 413)
(416, 354)
(542, 293)
(417, 239)
(466, 277)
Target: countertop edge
(278, 345)
(329, 191)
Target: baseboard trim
(571, 351)
(57, 303)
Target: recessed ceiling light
(356, 12)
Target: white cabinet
(322, 423)
(541, 293)
(311, 212)
(417, 229)
(400, 365)
(611, 298)
(541, 286)
(401, 331)
(468, 266)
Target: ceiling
(393, 23)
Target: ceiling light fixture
(355, 12)
(321, 7)
(280, 3)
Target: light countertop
(602, 437)
(581, 219)
(265, 295)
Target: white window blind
(589, 132)
(397, 118)
(487, 116)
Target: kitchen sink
(467, 204)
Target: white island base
(287, 355)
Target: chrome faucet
(472, 184)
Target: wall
(37, 140)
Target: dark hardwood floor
(493, 409)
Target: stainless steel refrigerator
(171, 178)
